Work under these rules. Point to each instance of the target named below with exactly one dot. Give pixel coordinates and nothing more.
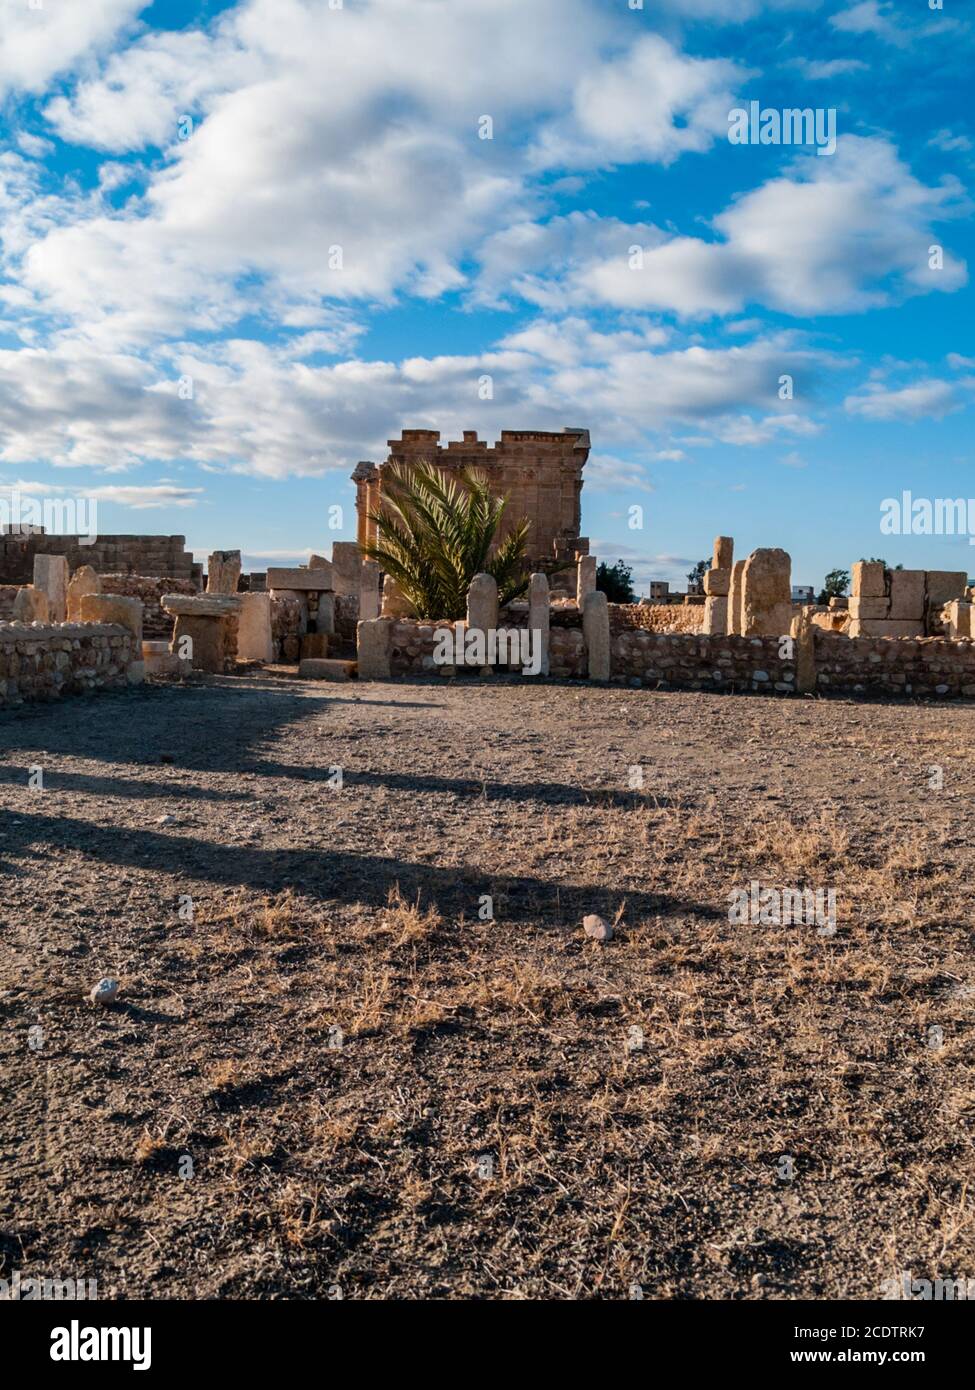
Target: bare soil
(341, 1078)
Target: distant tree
(874, 560)
(835, 585)
(616, 582)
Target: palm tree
(435, 532)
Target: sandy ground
(342, 1078)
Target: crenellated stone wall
(45, 662)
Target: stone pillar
(84, 581)
(715, 617)
(958, 619)
(31, 606)
(373, 648)
(395, 603)
(482, 609)
(539, 600)
(585, 577)
(325, 618)
(734, 599)
(595, 629)
(346, 564)
(766, 594)
(723, 554)
(254, 641)
(223, 572)
(51, 576)
(369, 579)
(803, 633)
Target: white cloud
(930, 399)
(869, 17)
(821, 70)
(38, 43)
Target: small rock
(166, 820)
(759, 1281)
(105, 992)
(596, 928)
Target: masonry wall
(46, 662)
(656, 617)
(893, 666)
(157, 625)
(694, 662)
(141, 555)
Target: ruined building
(539, 471)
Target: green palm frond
(435, 531)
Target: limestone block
(879, 627)
(715, 616)
(373, 647)
(254, 640)
(314, 647)
(585, 577)
(346, 566)
(395, 603)
(958, 618)
(369, 591)
(766, 604)
(51, 576)
(317, 669)
(869, 608)
(223, 572)
(539, 599)
(202, 640)
(595, 629)
(201, 605)
(482, 603)
(944, 585)
(868, 580)
(325, 617)
(907, 589)
(735, 596)
(113, 608)
(84, 581)
(31, 606)
(158, 661)
(717, 583)
(724, 549)
(302, 580)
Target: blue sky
(206, 322)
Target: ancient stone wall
(44, 663)
(539, 471)
(923, 666)
(156, 624)
(696, 662)
(656, 617)
(286, 629)
(150, 555)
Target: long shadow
(336, 875)
(57, 780)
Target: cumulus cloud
(38, 43)
(929, 399)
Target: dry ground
(490, 1126)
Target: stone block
(325, 617)
(766, 603)
(395, 603)
(318, 669)
(346, 566)
(717, 583)
(51, 576)
(223, 572)
(31, 606)
(943, 585)
(373, 648)
(723, 556)
(201, 605)
(84, 581)
(869, 608)
(958, 619)
(314, 646)
(482, 603)
(114, 608)
(202, 640)
(715, 616)
(585, 577)
(539, 612)
(595, 628)
(254, 640)
(302, 580)
(907, 590)
(369, 591)
(735, 596)
(879, 627)
(868, 580)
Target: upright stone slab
(585, 578)
(734, 598)
(941, 586)
(803, 632)
(539, 600)
(766, 603)
(482, 603)
(868, 579)
(373, 648)
(113, 608)
(907, 591)
(254, 640)
(715, 616)
(51, 576)
(395, 602)
(595, 630)
(325, 617)
(346, 565)
(302, 580)
(223, 572)
(370, 578)
(723, 555)
(958, 619)
(31, 606)
(717, 583)
(84, 581)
